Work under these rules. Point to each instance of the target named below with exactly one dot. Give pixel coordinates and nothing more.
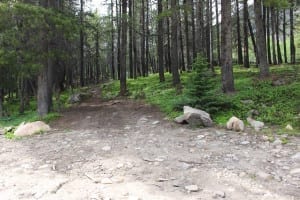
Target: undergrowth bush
(202, 90)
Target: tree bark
(292, 40)
(284, 36)
(239, 40)
(81, 45)
(130, 39)
(273, 24)
(160, 42)
(261, 40)
(246, 35)
(277, 37)
(123, 88)
(142, 25)
(174, 44)
(226, 48)
(268, 37)
(218, 32)
(187, 32)
(113, 73)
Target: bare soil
(124, 149)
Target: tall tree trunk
(284, 36)
(130, 39)
(187, 32)
(134, 41)
(194, 52)
(226, 47)
(113, 73)
(292, 40)
(218, 32)
(273, 24)
(118, 15)
(160, 42)
(261, 40)
(147, 31)
(1, 102)
(142, 25)
(239, 40)
(174, 44)
(169, 64)
(123, 88)
(211, 34)
(81, 45)
(182, 61)
(277, 37)
(268, 37)
(200, 39)
(207, 29)
(97, 56)
(246, 35)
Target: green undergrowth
(277, 105)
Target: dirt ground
(123, 149)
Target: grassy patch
(277, 105)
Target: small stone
(200, 137)
(159, 159)
(242, 174)
(155, 122)
(106, 181)
(295, 171)
(106, 148)
(263, 175)
(219, 194)
(192, 188)
(120, 165)
(245, 142)
(289, 127)
(277, 142)
(296, 157)
(286, 168)
(118, 179)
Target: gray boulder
(194, 117)
(257, 125)
(27, 129)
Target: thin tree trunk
(226, 47)
(97, 57)
(277, 38)
(182, 61)
(113, 73)
(207, 29)
(284, 36)
(174, 44)
(194, 52)
(245, 26)
(118, 15)
(261, 40)
(134, 41)
(123, 88)
(292, 40)
(218, 31)
(160, 42)
(81, 45)
(200, 29)
(147, 31)
(187, 31)
(130, 39)
(268, 37)
(239, 40)
(1, 103)
(273, 24)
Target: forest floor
(125, 149)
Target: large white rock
(257, 125)
(26, 129)
(194, 117)
(235, 124)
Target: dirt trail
(124, 149)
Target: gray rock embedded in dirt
(219, 194)
(192, 188)
(106, 181)
(295, 171)
(277, 142)
(264, 176)
(106, 148)
(155, 122)
(257, 125)
(27, 129)
(296, 157)
(194, 117)
(235, 124)
(2, 131)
